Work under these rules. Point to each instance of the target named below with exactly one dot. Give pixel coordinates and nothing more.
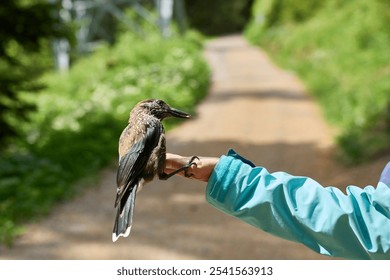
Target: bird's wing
(134, 161)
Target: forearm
(301, 210)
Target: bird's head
(159, 109)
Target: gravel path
(254, 107)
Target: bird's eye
(160, 102)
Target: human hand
(201, 171)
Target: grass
(80, 114)
(340, 50)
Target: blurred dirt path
(254, 107)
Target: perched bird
(142, 148)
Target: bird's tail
(124, 218)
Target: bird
(142, 155)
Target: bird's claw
(189, 164)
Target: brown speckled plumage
(141, 157)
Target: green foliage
(80, 115)
(345, 64)
(218, 16)
(275, 13)
(25, 27)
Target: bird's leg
(165, 176)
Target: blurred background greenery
(340, 49)
(58, 127)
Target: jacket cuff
(221, 183)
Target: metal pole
(61, 47)
(165, 11)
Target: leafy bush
(80, 115)
(344, 62)
(271, 13)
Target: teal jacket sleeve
(355, 225)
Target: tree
(24, 25)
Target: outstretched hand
(201, 171)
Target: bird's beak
(178, 114)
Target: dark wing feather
(133, 163)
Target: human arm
(355, 225)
